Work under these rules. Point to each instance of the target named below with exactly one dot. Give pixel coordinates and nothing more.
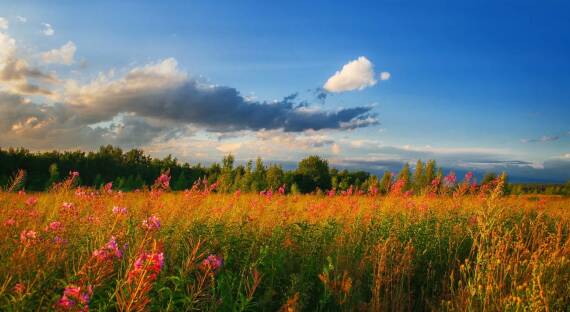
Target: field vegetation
(452, 246)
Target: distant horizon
(393, 167)
(475, 86)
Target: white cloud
(7, 48)
(21, 19)
(15, 72)
(385, 76)
(63, 55)
(355, 75)
(229, 147)
(48, 29)
(335, 149)
(3, 23)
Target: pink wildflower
(28, 236)
(468, 176)
(9, 222)
(151, 263)
(108, 187)
(72, 295)
(54, 226)
(450, 179)
(109, 251)
(31, 201)
(19, 288)
(213, 262)
(68, 207)
(163, 180)
(152, 223)
(119, 210)
(65, 303)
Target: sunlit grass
(75, 249)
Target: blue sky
(476, 85)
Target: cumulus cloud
(47, 126)
(63, 55)
(355, 75)
(15, 72)
(385, 76)
(3, 23)
(157, 101)
(162, 91)
(542, 139)
(48, 29)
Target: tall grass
(74, 249)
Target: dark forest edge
(132, 170)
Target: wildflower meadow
(80, 249)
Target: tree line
(134, 169)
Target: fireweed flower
(58, 240)
(109, 251)
(152, 223)
(119, 210)
(74, 295)
(450, 179)
(108, 187)
(28, 236)
(9, 222)
(150, 263)
(468, 176)
(163, 181)
(68, 208)
(31, 201)
(213, 262)
(19, 288)
(54, 226)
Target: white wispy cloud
(3, 23)
(48, 29)
(63, 55)
(542, 139)
(21, 19)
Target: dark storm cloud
(224, 109)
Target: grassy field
(78, 249)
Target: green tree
(226, 180)
(405, 175)
(430, 172)
(315, 174)
(53, 175)
(181, 182)
(419, 177)
(386, 182)
(274, 177)
(259, 182)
